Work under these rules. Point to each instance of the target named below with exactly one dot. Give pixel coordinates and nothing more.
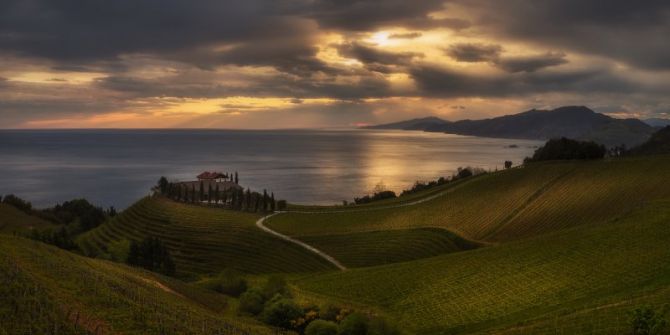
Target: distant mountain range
(657, 122)
(576, 122)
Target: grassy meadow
(567, 247)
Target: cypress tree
(237, 178)
(264, 203)
(248, 200)
(202, 191)
(272, 202)
(209, 193)
(192, 192)
(217, 195)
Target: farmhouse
(208, 179)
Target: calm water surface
(117, 167)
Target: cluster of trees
(72, 218)
(232, 198)
(567, 149)
(380, 195)
(59, 237)
(20, 204)
(151, 254)
(273, 304)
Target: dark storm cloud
(635, 32)
(530, 63)
(282, 85)
(368, 54)
(443, 82)
(363, 15)
(474, 52)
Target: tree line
(231, 198)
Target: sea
(324, 166)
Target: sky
(325, 63)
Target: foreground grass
(46, 290)
(582, 280)
(204, 240)
(509, 205)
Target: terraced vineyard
(13, 220)
(384, 247)
(579, 280)
(204, 240)
(508, 205)
(46, 290)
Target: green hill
(383, 247)
(13, 220)
(659, 143)
(507, 205)
(46, 290)
(582, 280)
(203, 240)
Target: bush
(330, 312)
(17, 202)
(379, 326)
(567, 149)
(281, 313)
(230, 282)
(276, 285)
(645, 321)
(118, 250)
(354, 324)
(321, 327)
(251, 302)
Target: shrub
(230, 282)
(275, 285)
(645, 321)
(281, 313)
(354, 324)
(330, 312)
(251, 302)
(118, 250)
(321, 327)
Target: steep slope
(659, 143)
(46, 290)
(583, 280)
(577, 122)
(507, 205)
(204, 240)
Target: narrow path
(323, 255)
(330, 259)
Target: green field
(204, 240)
(580, 280)
(46, 290)
(508, 205)
(383, 247)
(13, 221)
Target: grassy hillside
(13, 220)
(509, 205)
(582, 280)
(383, 247)
(46, 290)
(204, 240)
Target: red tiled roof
(211, 175)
